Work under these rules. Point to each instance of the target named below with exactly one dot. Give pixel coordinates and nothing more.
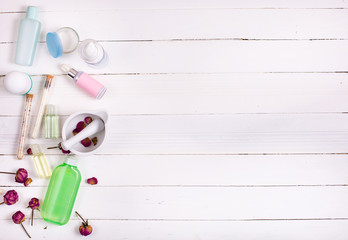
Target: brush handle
(95, 126)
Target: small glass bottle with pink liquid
(86, 82)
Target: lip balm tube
(86, 82)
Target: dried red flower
(18, 218)
(21, 175)
(92, 181)
(10, 198)
(80, 125)
(86, 142)
(95, 141)
(34, 203)
(29, 151)
(27, 182)
(65, 151)
(74, 132)
(85, 229)
(88, 120)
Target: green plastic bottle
(61, 192)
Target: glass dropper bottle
(40, 161)
(51, 122)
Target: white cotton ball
(18, 82)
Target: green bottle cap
(32, 12)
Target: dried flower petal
(88, 120)
(86, 142)
(85, 230)
(92, 181)
(29, 151)
(95, 141)
(80, 125)
(21, 175)
(27, 182)
(74, 132)
(34, 203)
(11, 197)
(18, 217)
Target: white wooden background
(229, 118)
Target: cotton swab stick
(40, 112)
(24, 130)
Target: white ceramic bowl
(70, 125)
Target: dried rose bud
(60, 148)
(95, 141)
(80, 125)
(34, 203)
(18, 218)
(10, 198)
(29, 151)
(92, 181)
(86, 142)
(85, 229)
(65, 152)
(74, 132)
(88, 120)
(21, 175)
(27, 182)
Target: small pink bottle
(86, 82)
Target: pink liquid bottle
(86, 82)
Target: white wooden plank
(210, 134)
(196, 94)
(199, 203)
(198, 57)
(178, 197)
(190, 24)
(181, 170)
(176, 230)
(79, 5)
